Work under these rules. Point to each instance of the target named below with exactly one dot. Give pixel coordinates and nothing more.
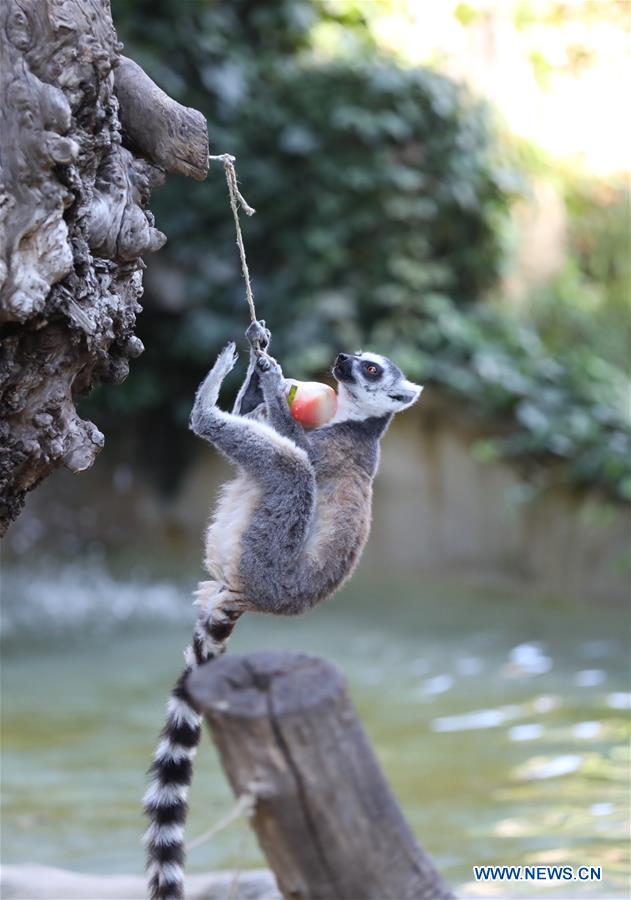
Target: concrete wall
(440, 510)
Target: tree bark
(74, 224)
(325, 817)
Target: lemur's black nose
(343, 369)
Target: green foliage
(381, 205)
(374, 185)
(573, 409)
(589, 301)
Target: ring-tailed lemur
(286, 533)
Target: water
(501, 722)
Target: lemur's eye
(372, 370)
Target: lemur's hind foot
(258, 335)
(208, 393)
(250, 401)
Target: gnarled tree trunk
(84, 137)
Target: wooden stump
(325, 816)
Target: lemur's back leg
(273, 545)
(246, 442)
(250, 395)
(273, 542)
(252, 402)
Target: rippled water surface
(501, 721)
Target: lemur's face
(371, 385)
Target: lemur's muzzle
(343, 368)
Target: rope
(237, 199)
(244, 807)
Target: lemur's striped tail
(172, 768)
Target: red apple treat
(310, 402)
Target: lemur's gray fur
(286, 533)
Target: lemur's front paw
(268, 366)
(258, 334)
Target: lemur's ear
(405, 394)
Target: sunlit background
(445, 183)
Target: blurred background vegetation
(411, 199)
